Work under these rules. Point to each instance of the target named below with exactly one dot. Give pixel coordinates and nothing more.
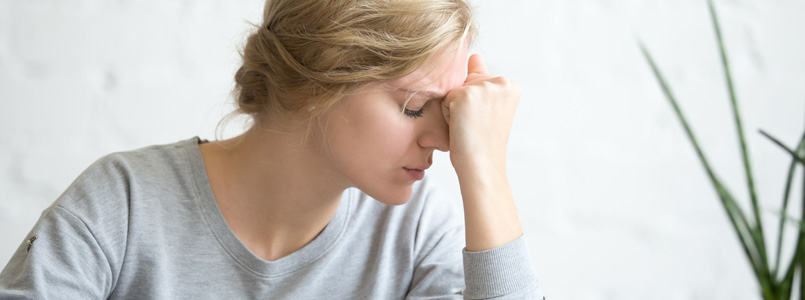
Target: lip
(420, 168)
(415, 174)
(418, 172)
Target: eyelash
(414, 113)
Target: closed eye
(431, 96)
(414, 113)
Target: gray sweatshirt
(143, 224)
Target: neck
(276, 193)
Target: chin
(392, 196)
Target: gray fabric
(143, 225)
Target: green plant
(775, 282)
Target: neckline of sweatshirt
(214, 218)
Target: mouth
(415, 174)
(418, 172)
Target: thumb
(476, 66)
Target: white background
(612, 197)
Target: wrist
(479, 169)
(490, 214)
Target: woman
(323, 197)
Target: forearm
(490, 215)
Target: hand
(479, 115)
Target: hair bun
(287, 67)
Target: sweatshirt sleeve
(78, 244)
(59, 259)
(505, 272)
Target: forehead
(439, 74)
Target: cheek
(385, 136)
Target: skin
(278, 193)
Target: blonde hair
(310, 53)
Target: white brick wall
(612, 197)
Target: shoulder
(433, 202)
(426, 195)
(156, 159)
(431, 192)
(430, 212)
(109, 183)
(439, 212)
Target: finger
(446, 109)
(476, 66)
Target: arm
(490, 216)
(504, 272)
(79, 245)
(63, 262)
(479, 115)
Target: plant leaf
(735, 214)
(766, 280)
(801, 248)
(791, 152)
(786, 195)
(757, 234)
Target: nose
(434, 130)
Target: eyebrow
(430, 95)
(427, 95)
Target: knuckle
(504, 81)
(463, 93)
(488, 84)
